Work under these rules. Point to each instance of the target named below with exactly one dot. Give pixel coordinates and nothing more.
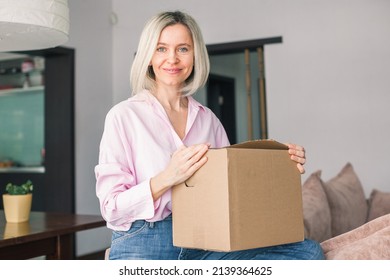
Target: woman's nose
(172, 57)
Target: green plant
(25, 188)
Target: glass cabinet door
(22, 111)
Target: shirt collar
(149, 98)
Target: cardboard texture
(246, 196)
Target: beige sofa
(348, 224)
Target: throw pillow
(379, 204)
(370, 241)
(316, 211)
(347, 202)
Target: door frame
(252, 46)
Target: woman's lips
(172, 70)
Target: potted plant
(17, 202)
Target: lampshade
(33, 24)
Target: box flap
(260, 144)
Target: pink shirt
(136, 145)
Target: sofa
(338, 215)
(346, 223)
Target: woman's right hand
(183, 164)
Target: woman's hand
(297, 154)
(183, 164)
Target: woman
(157, 138)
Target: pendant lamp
(33, 24)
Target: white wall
(91, 37)
(328, 86)
(327, 82)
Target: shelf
(35, 169)
(8, 92)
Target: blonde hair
(142, 76)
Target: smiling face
(173, 59)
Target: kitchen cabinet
(49, 161)
(22, 129)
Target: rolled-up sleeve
(122, 199)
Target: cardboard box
(246, 196)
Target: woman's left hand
(297, 154)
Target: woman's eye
(161, 49)
(183, 49)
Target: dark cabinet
(54, 182)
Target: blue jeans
(153, 241)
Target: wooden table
(45, 234)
